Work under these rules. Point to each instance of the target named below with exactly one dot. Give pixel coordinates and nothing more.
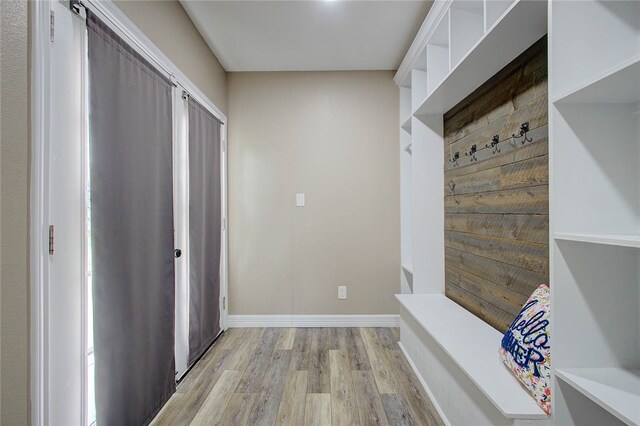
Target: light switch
(299, 200)
(342, 292)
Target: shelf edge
(566, 377)
(606, 239)
(561, 98)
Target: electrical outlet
(342, 292)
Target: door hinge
(51, 238)
(52, 25)
(224, 224)
(224, 303)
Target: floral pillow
(525, 347)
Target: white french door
(66, 292)
(63, 385)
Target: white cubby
(596, 332)
(597, 169)
(591, 37)
(419, 83)
(616, 390)
(494, 9)
(619, 84)
(466, 23)
(437, 51)
(405, 109)
(405, 104)
(595, 312)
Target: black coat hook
(455, 157)
(472, 153)
(495, 140)
(524, 129)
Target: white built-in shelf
(407, 268)
(406, 125)
(523, 23)
(619, 84)
(456, 330)
(617, 390)
(608, 239)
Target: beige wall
(333, 136)
(14, 179)
(170, 28)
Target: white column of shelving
(595, 210)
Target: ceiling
(307, 35)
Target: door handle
(177, 253)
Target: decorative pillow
(525, 347)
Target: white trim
(426, 388)
(224, 259)
(86, 225)
(240, 321)
(437, 11)
(38, 206)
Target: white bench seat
(473, 346)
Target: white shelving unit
(464, 43)
(461, 44)
(594, 147)
(594, 150)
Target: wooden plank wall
(497, 207)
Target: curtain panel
(205, 229)
(130, 143)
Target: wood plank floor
(301, 376)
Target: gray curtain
(204, 229)
(132, 231)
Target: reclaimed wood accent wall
(497, 206)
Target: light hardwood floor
(301, 376)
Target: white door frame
(39, 191)
(39, 205)
(181, 227)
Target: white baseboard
(425, 386)
(239, 321)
